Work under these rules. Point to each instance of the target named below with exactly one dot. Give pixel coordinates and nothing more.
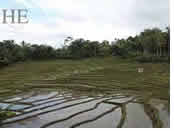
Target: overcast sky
(51, 21)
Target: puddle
(136, 117)
(14, 99)
(13, 107)
(40, 97)
(121, 100)
(60, 109)
(109, 120)
(163, 108)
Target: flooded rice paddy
(103, 93)
(82, 109)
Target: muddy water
(60, 109)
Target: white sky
(51, 21)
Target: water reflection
(69, 108)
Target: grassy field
(96, 74)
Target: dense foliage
(149, 45)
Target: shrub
(6, 114)
(151, 59)
(4, 62)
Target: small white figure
(140, 70)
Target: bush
(4, 62)
(151, 59)
(6, 114)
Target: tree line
(151, 43)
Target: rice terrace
(85, 64)
(95, 92)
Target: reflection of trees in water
(153, 114)
(151, 111)
(123, 117)
(167, 107)
(117, 105)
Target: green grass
(103, 74)
(6, 114)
